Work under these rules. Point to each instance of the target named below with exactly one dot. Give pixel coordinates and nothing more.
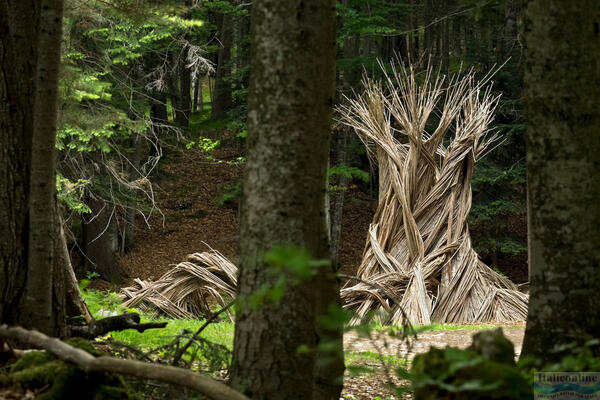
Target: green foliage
(204, 144)
(364, 362)
(348, 172)
(370, 17)
(226, 7)
(397, 330)
(202, 124)
(293, 261)
(55, 379)
(211, 351)
(574, 358)
(452, 373)
(116, 57)
(286, 266)
(230, 194)
(70, 193)
(92, 275)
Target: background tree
(222, 100)
(562, 77)
(124, 71)
(290, 99)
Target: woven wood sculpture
(426, 138)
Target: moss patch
(56, 379)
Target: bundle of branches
(426, 139)
(189, 289)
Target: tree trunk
(74, 303)
(509, 42)
(339, 184)
(242, 43)
(290, 98)
(101, 241)
(562, 88)
(429, 35)
(196, 96)
(222, 100)
(18, 55)
(182, 112)
(43, 225)
(160, 119)
(128, 235)
(445, 39)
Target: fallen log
(209, 387)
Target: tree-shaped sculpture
(426, 138)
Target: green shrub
(486, 370)
(56, 379)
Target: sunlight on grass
(101, 304)
(450, 327)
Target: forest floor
(190, 190)
(196, 195)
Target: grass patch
(446, 327)
(200, 123)
(366, 362)
(102, 304)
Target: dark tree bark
(182, 112)
(128, 232)
(221, 103)
(18, 55)
(160, 119)
(290, 99)
(43, 222)
(413, 36)
(429, 34)
(339, 185)
(562, 92)
(158, 112)
(509, 42)
(37, 284)
(197, 96)
(243, 39)
(445, 38)
(101, 241)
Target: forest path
(376, 384)
(383, 343)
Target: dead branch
(209, 387)
(111, 324)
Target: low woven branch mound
(425, 138)
(189, 289)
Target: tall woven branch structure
(425, 138)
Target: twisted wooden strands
(419, 245)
